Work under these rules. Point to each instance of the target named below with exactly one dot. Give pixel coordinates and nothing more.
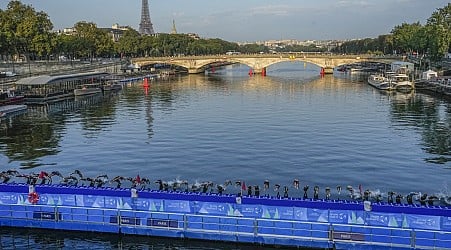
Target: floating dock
(289, 222)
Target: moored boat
(401, 82)
(10, 97)
(380, 82)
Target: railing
(227, 228)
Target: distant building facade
(116, 31)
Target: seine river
(329, 131)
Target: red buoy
(251, 72)
(146, 82)
(322, 72)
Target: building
(116, 31)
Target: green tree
(129, 43)
(439, 34)
(24, 30)
(86, 32)
(104, 44)
(406, 36)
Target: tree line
(27, 32)
(432, 39)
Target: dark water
(327, 131)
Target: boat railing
(232, 228)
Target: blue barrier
(263, 220)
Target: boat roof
(48, 79)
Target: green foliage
(132, 44)
(253, 48)
(301, 48)
(407, 37)
(438, 28)
(24, 31)
(383, 43)
(432, 39)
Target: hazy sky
(247, 20)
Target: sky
(247, 20)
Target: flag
(243, 187)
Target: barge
(48, 88)
(293, 222)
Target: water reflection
(42, 239)
(430, 116)
(33, 137)
(37, 133)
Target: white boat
(401, 82)
(88, 89)
(380, 82)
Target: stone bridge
(259, 62)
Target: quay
(291, 222)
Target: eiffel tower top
(174, 30)
(145, 27)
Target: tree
(406, 36)
(24, 30)
(129, 43)
(86, 32)
(439, 34)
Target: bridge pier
(328, 70)
(259, 71)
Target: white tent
(430, 74)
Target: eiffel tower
(145, 27)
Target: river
(225, 125)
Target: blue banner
(217, 209)
(177, 206)
(251, 211)
(423, 222)
(339, 216)
(10, 198)
(90, 201)
(317, 215)
(446, 224)
(300, 213)
(385, 219)
(272, 212)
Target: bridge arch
(198, 64)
